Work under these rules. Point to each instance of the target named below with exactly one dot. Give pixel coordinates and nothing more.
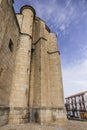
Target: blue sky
(68, 19)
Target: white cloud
(68, 2)
(62, 27)
(75, 78)
(57, 16)
(57, 13)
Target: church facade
(31, 87)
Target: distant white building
(76, 105)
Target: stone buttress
(46, 91)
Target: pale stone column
(57, 99)
(40, 81)
(20, 89)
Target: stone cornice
(39, 40)
(46, 27)
(26, 34)
(53, 52)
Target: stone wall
(9, 34)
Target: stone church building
(30, 73)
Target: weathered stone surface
(4, 114)
(69, 125)
(30, 72)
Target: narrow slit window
(11, 45)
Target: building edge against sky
(30, 73)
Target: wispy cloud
(58, 14)
(75, 74)
(75, 78)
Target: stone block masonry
(30, 72)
